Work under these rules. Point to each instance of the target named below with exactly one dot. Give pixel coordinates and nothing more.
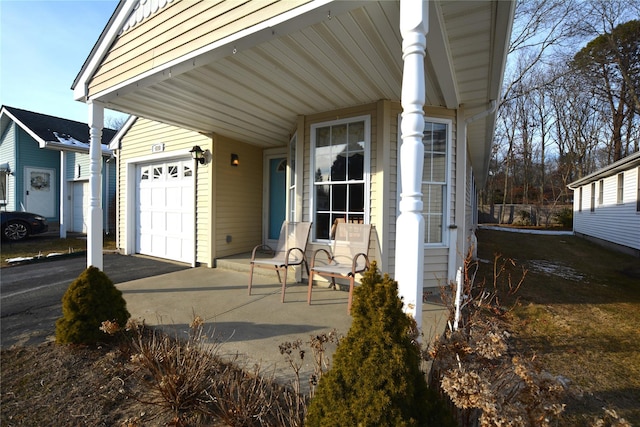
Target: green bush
(565, 217)
(90, 300)
(376, 378)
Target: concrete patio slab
(250, 328)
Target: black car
(18, 225)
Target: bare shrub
(177, 372)
(476, 369)
(187, 381)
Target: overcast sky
(43, 45)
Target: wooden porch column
(409, 271)
(94, 232)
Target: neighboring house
(311, 97)
(606, 205)
(44, 168)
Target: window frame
(620, 189)
(292, 177)
(601, 192)
(638, 190)
(448, 190)
(4, 184)
(366, 173)
(592, 206)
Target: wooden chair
(290, 251)
(347, 257)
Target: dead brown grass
(578, 314)
(45, 244)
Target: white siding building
(606, 205)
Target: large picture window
(434, 180)
(339, 153)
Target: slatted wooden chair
(290, 251)
(347, 257)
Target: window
(593, 196)
(620, 188)
(580, 200)
(3, 186)
(434, 180)
(292, 177)
(601, 192)
(339, 155)
(638, 195)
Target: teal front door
(277, 196)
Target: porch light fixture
(198, 154)
(235, 160)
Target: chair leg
(284, 282)
(310, 287)
(351, 283)
(250, 277)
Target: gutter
(492, 109)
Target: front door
(277, 196)
(40, 191)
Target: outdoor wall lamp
(235, 160)
(198, 154)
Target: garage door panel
(165, 211)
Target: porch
(250, 327)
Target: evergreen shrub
(375, 379)
(91, 299)
(565, 217)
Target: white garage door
(165, 214)
(80, 206)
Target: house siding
(8, 154)
(238, 199)
(31, 155)
(383, 208)
(136, 148)
(179, 29)
(375, 211)
(75, 160)
(614, 222)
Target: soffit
(340, 60)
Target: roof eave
(101, 48)
(614, 168)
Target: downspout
(492, 108)
(106, 197)
(458, 231)
(194, 262)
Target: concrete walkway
(250, 328)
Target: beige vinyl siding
(136, 148)
(362, 110)
(384, 173)
(436, 258)
(177, 30)
(238, 197)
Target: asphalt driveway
(30, 294)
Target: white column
(94, 232)
(64, 195)
(410, 224)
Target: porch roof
(319, 57)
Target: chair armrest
(354, 262)
(253, 253)
(315, 254)
(304, 258)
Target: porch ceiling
(339, 55)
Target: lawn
(578, 314)
(43, 245)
